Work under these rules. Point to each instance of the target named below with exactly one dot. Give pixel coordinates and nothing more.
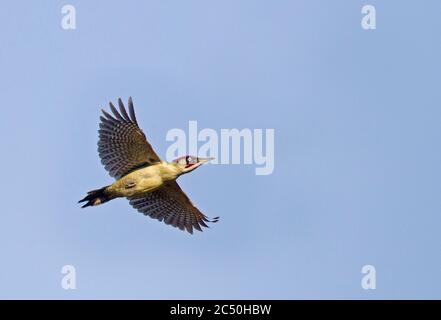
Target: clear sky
(357, 172)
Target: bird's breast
(140, 181)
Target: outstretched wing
(122, 145)
(171, 205)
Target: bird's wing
(122, 145)
(171, 205)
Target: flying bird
(148, 182)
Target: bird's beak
(204, 160)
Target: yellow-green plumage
(144, 180)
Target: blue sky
(357, 158)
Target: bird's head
(189, 163)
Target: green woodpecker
(141, 176)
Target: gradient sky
(357, 148)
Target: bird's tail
(96, 197)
